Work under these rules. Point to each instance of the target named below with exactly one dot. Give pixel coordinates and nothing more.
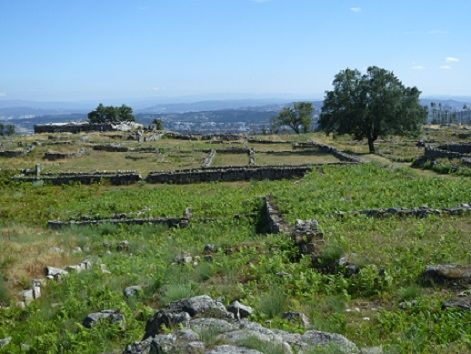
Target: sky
(111, 49)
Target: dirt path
(404, 165)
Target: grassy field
(393, 309)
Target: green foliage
(7, 129)
(157, 124)
(298, 117)
(111, 114)
(370, 106)
(261, 346)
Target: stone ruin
(125, 220)
(342, 156)
(228, 174)
(450, 151)
(55, 155)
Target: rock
(123, 246)
(404, 305)
(5, 341)
(55, 273)
(447, 273)
(181, 312)
(239, 310)
(77, 250)
(183, 258)
(111, 315)
(104, 269)
(131, 291)
(231, 349)
(184, 319)
(208, 258)
(342, 344)
(74, 268)
(298, 317)
(36, 287)
(209, 248)
(85, 264)
(461, 303)
(27, 296)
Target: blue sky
(98, 49)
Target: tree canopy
(298, 117)
(7, 129)
(372, 105)
(111, 114)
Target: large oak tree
(371, 105)
(298, 117)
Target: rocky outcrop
(185, 325)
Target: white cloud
(452, 60)
(355, 9)
(445, 67)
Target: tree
(298, 117)
(372, 105)
(7, 129)
(157, 124)
(111, 114)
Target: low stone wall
(252, 157)
(262, 141)
(459, 148)
(111, 148)
(271, 220)
(233, 150)
(431, 153)
(125, 220)
(228, 174)
(208, 161)
(411, 212)
(54, 155)
(12, 153)
(118, 178)
(342, 156)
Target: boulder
(232, 349)
(460, 303)
(5, 341)
(447, 274)
(131, 291)
(297, 317)
(55, 273)
(113, 316)
(339, 342)
(183, 258)
(239, 310)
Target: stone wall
(55, 155)
(431, 153)
(342, 156)
(262, 141)
(422, 211)
(271, 220)
(228, 174)
(124, 219)
(209, 159)
(115, 178)
(111, 148)
(12, 153)
(459, 148)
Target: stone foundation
(118, 178)
(342, 156)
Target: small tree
(157, 124)
(298, 117)
(370, 106)
(111, 114)
(7, 129)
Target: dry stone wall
(342, 156)
(71, 128)
(126, 220)
(115, 178)
(228, 174)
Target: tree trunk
(371, 145)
